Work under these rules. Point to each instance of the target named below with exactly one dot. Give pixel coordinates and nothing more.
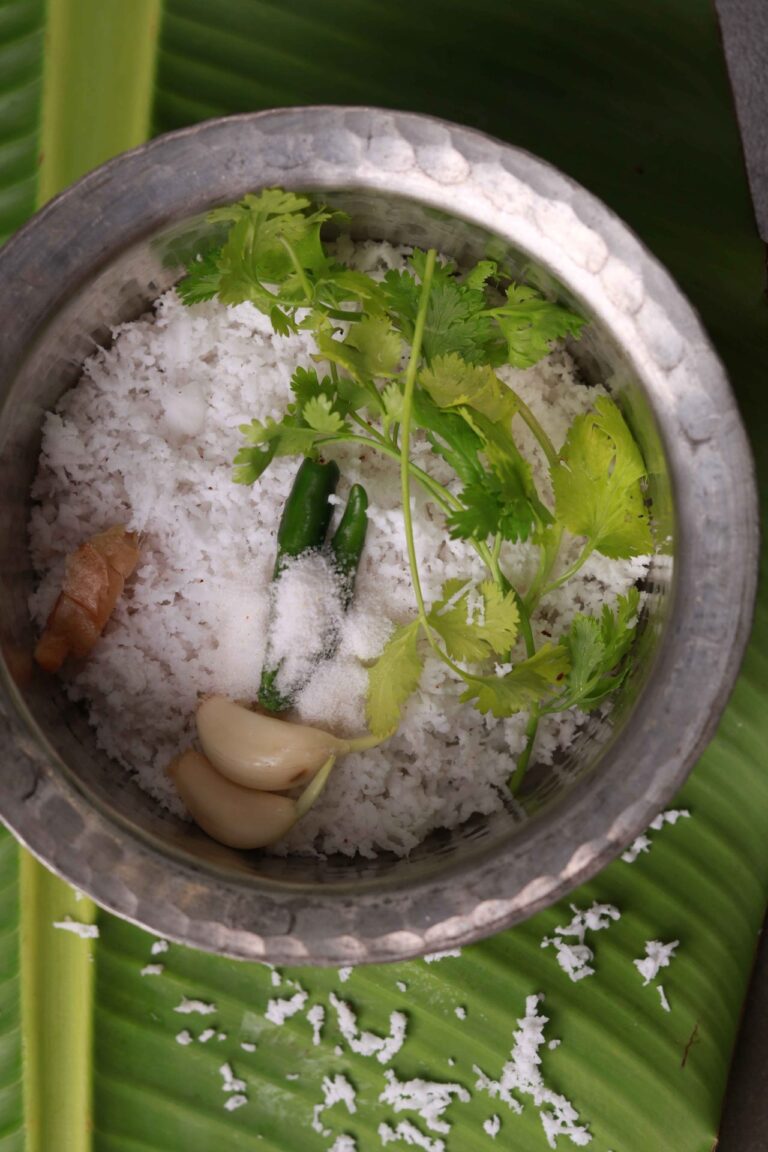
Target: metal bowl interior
(100, 255)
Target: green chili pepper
(303, 526)
(307, 512)
(349, 539)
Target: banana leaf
(632, 100)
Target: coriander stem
(314, 788)
(362, 423)
(526, 631)
(405, 434)
(406, 465)
(546, 444)
(379, 437)
(485, 553)
(584, 555)
(553, 460)
(525, 625)
(546, 563)
(441, 495)
(531, 728)
(363, 743)
(298, 269)
(516, 778)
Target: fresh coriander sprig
(453, 332)
(405, 437)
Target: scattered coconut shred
(523, 1074)
(147, 438)
(575, 959)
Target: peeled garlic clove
(260, 751)
(235, 816)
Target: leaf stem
(447, 501)
(546, 444)
(549, 554)
(364, 743)
(312, 792)
(363, 423)
(298, 269)
(341, 314)
(516, 778)
(405, 460)
(584, 555)
(525, 625)
(485, 553)
(405, 433)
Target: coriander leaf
(596, 649)
(272, 241)
(392, 399)
(377, 344)
(265, 441)
(482, 511)
(250, 463)
(530, 324)
(371, 348)
(392, 679)
(455, 617)
(453, 383)
(202, 281)
(501, 618)
(482, 272)
(475, 622)
(315, 320)
(443, 270)
(402, 300)
(455, 320)
(249, 263)
(354, 397)
(510, 467)
(450, 436)
(490, 507)
(336, 285)
(282, 323)
(586, 651)
(306, 385)
(271, 201)
(319, 414)
(345, 394)
(504, 500)
(618, 627)
(597, 484)
(530, 682)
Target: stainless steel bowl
(108, 246)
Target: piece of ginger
(94, 578)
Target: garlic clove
(235, 816)
(260, 751)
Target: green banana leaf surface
(632, 100)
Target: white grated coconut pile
(146, 439)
